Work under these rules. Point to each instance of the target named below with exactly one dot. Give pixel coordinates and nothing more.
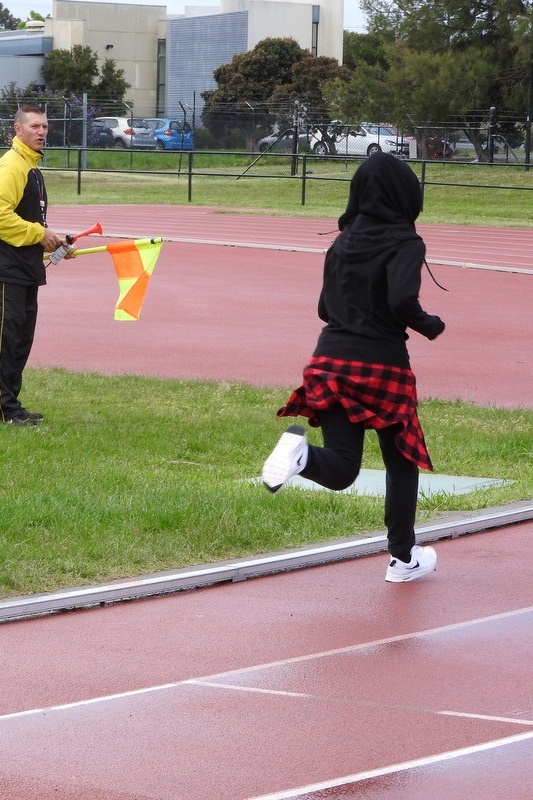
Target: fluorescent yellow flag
(134, 262)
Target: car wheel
(321, 149)
(373, 148)
(160, 145)
(119, 143)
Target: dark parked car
(100, 135)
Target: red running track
(322, 683)
(248, 314)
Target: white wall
(132, 31)
(278, 18)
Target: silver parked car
(130, 132)
(368, 138)
(284, 142)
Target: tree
(71, 71)
(7, 21)
(253, 76)
(65, 117)
(441, 60)
(363, 48)
(307, 76)
(110, 89)
(74, 72)
(245, 86)
(265, 83)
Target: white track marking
(268, 665)
(361, 703)
(345, 780)
(300, 249)
(487, 717)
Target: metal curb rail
(186, 579)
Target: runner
(360, 376)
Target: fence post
(304, 173)
(527, 144)
(189, 177)
(79, 170)
(423, 182)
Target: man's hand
(51, 241)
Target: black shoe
(31, 414)
(22, 419)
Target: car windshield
(137, 123)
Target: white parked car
(130, 132)
(365, 140)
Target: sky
(354, 19)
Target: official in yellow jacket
(24, 239)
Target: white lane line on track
(361, 703)
(283, 662)
(300, 249)
(345, 780)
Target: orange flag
(134, 262)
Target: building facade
(169, 61)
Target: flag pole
(85, 251)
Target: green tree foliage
(307, 76)
(71, 71)
(7, 21)
(426, 62)
(267, 82)
(252, 77)
(75, 72)
(363, 48)
(244, 88)
(109, 91)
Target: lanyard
(40, 189)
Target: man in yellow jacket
(24, 239)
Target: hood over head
(385, 188)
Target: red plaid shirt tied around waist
(374, 395)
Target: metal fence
(308, 172)
(483, 136)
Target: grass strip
(462, 194)
(154, 475)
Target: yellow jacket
(15, 166)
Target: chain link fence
(488, 135)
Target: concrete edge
(174, 581)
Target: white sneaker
(423, 561)
(288, 458)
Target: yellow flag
(134, 262)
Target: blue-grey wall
(195, 47)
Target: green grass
(109, 490)
(464, 194)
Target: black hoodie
(372, 270)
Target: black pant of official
(18, 316)
(337, 465)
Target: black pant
(18, 316)
(337, 465)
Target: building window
(161, 72)
(314, 32)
